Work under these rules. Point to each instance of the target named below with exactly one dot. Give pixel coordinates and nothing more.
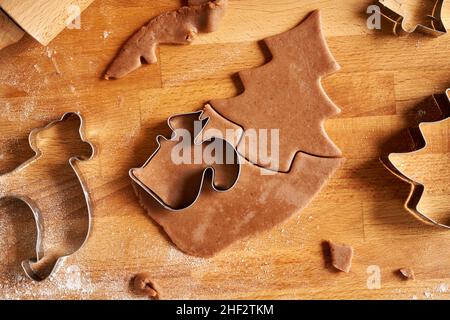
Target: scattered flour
(442, 288)
(73, 278)
(56, 66)
(31, 81)
(20, 112)
(439, 289)
(67, 282)
(50, 52)
(37, 68)
(176, 256)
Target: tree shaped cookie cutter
(27, 264)
(160, 139)
(417, 189)
(392, 17)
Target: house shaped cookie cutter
(393, 20)
(27, 264)
(417, 189)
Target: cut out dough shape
(174, 174)
(407, 273)
(428, 171)
(174, 27)
(257, 203)
(143, 285)
(341, 256)
(286, 94)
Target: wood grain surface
(381, 89)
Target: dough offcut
(174, 27)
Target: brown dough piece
(143, 285)
(257, 203)
(218, 126)
(407, 273)
(174, 27)
(286, 94)
(341, 256)
(177, 185)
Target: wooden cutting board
(43, 19)
(379, 89)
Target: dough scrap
(285, 94)
(341, 256)
(174, 27)
(143, 285)
(407, 273)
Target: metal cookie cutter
(32, 203)
(209, 168)
(417, 189)
(393, 20)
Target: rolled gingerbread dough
(260, 200)
(257, 203)
(286, 95)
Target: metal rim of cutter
(204, 173)
(437, 24)
(27, 264)
(417, 189)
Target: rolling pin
(42, 19)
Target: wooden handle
(10, 32)
(44, 19)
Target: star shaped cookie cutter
(417, 189)
(209, 169)
(27, 265)
(393, 20)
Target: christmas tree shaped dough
(286, 95)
